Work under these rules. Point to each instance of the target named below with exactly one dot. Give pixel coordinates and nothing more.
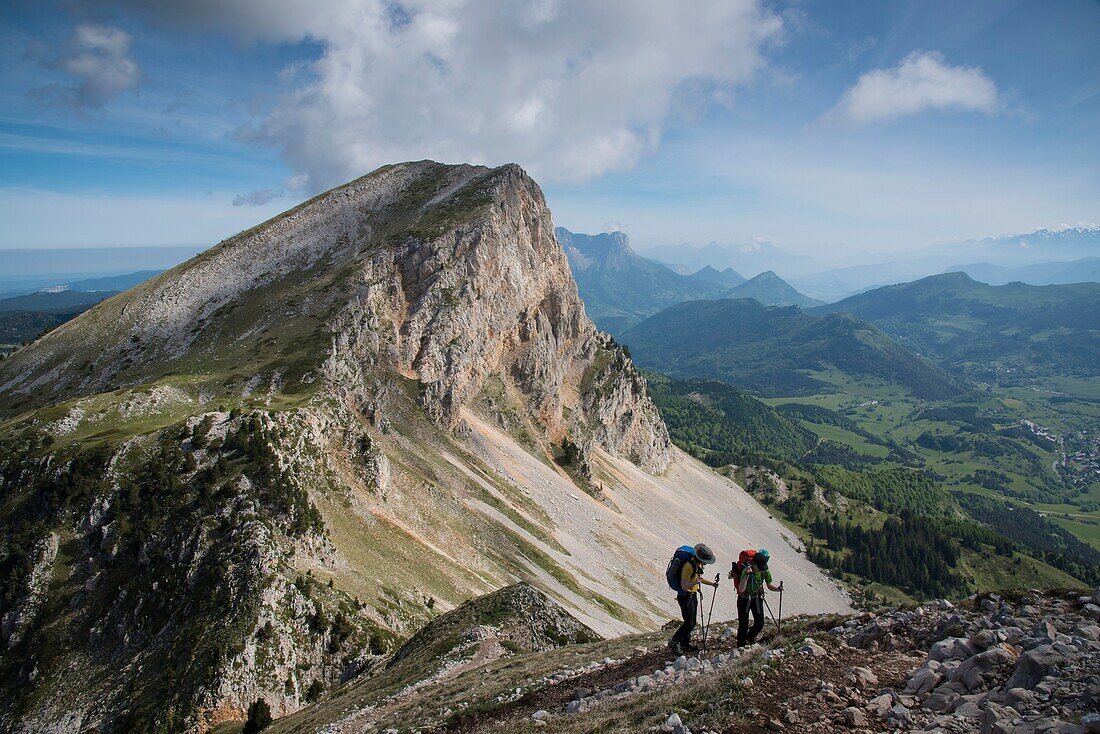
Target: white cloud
(98, 60)
(569, 90)
(923, 81)
(259, 197)
(297, 182)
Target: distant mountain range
(619, 287)
(1036, 257)
(771, 350)
(754, 257)
(1061, 243)
(52, 301)
(1085, 270)
(984, 330)
(23, 317)
(59, 282)
(28, 269)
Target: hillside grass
(1085, 528)
(846, 437)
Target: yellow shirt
(689, 578)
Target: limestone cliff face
(449, 275)
(491, 296)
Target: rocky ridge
(1022, 665)
(997, 665)
(994, 664)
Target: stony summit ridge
(257, 474)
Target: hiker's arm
(773, 587)
(689, 582)
(744, 581)
(708, 582)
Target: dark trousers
(689, 610)
(745, 604)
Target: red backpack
(743, 561)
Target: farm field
(981, 443)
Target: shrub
(259, 717)
(315, 691)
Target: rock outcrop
(998, 665)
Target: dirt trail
(554, 697)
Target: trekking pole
(769, 606)
(779, 623)
(706, 628)
(702, 624)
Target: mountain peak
(594, 248)
(766, 276)
(619, 286)
(447, 275)
(771, 290)
(710, 274)
(955, 276)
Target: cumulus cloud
(98, 60)
(923, 81)
(568, 89)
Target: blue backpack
(682, 555)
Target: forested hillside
(721, 425)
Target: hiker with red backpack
(751, 575)
(684, 575)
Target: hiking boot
(674, 646)
(690, 648)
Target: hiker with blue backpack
(685, 575)
(751, 575)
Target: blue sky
(828, 128)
